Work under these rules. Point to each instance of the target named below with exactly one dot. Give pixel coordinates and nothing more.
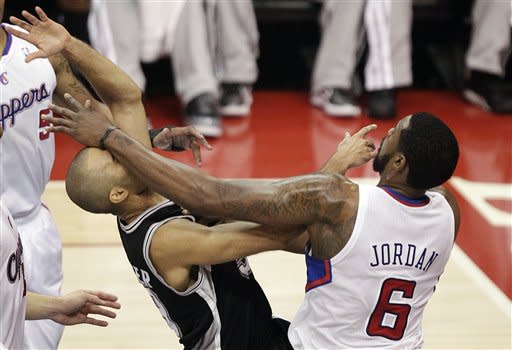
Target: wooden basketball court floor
(285, 136)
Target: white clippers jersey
(373, 292)
(12, 283)
(27, 150)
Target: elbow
(133, 94)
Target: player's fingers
(196, 151)
(66, 112)
(30, 17)
(366, 130)
(201, 139)
(98, 310)
(42, 15)
(105, 296)
(20, 23)
(88, 104)
(34, 55)
(73, 102)
(58, 121)
(59, 129)
(96, 322)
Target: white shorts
(42, 256)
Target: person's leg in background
(336, 59)
(388, 31)
(193, 71)
(114, 29)
(487, 56)
(236, 49)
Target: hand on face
(49, 36)
(81, 122)
(357, 147)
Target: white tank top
(373, 292)
(27, 150)
(12, 283)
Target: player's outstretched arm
(186, 243)
(73, 308)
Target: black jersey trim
(145, 250)
(135, 223)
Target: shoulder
(452, 201)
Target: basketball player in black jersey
(197, 275)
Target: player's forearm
(40, 306)
(291, 202)
(108, 80)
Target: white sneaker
(336, 102)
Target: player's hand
(49, 36)
(352, 151)
(81, 122)
(358, 148)
(75, 308)
(186, 137)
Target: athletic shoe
(336, 102)
(489, 92)
(381, 104)
(202, 112)
(235, 100)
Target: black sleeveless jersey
(224, 309)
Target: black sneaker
(381, 104)
(336, 102)
(489, 92)
(235, 99)
(202, 112)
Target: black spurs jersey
(224, 309)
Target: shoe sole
(346, 110)
(476, 99)
(235, 111)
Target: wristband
(106, 134)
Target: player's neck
(401, 188)
(138, 204)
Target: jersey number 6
(401, 312)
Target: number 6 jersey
(27, 150)
(373, 292)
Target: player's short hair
(88, 184)
(431, 150)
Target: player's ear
(399, 162)
(117, 194)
